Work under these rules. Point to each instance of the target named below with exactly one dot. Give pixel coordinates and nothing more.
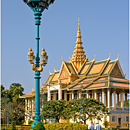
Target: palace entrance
(119, 121)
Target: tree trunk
(57, 119)
(84, 121)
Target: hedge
(65, 126)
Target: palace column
(108, 97)
(59, 93)
(65, 95)
(87, 94)
(30, 105)
(121, 97)
(117, 99)
(125, 99)
(98, 94)
(95, 94)
(54, 96)
(114, 98)
(79, 95)
(103, 96)
(48, 94)
(72, 94)
(26, 104)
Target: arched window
(113, 118)
(127, 118)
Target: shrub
(39, 126)
(114, 128)
(13, 127)
(22, 121)
(65, 126)
(18, 122)
(106, 123)
(124, 129)
(30, 122)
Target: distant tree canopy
(82, 109)
(12, 105)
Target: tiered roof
(79, 73)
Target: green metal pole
(37, 73)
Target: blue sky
(104, 30)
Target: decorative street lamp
(38, 7)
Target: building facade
(81, 78)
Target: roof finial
(94, 57)
(118, 57)
(54, 69)
(49, 72)
(78, 21)
(62, 58)
(109, 56)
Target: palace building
(102, 80)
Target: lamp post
(38, 7)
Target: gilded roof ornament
(118, 57)
(54, 69)
(78, 57)
(50, 72)
(94, 57)
(109, 56)
(62, 58)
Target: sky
(104, 29)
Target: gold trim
(37, 68)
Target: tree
(106, 123)
(84, 109)
(39, 126)
(12, 105)
(53, 109)
(3, 92)
(13, 127)
(17, 111)
(14, 91)
(5, 104)
(69, 111)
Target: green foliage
(30, 122)
(65, 126)
(114, 128)
(13, 127)
(84, 109)
(12, 105)
(22, 121)
(53, 109)
(106, 123)
(18, 122)
(14, 91)
(124, 129)
(39, 126)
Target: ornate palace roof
(80, 73)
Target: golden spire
(78, 58)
